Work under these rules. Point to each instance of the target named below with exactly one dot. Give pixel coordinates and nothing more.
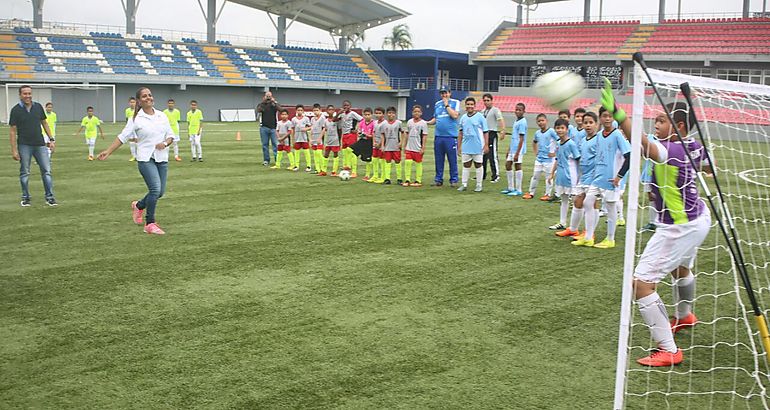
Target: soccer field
(277, 289)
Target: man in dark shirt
(267, 110)
(27, 141)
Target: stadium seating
(111, 53)
(697, 36)
(724, 115)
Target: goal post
(726, 364)
(88, 94)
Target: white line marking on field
(762, 173)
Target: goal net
(69, 100)
(725, 364)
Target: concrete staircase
(635, 41)
(371, 68)
(13, 61)
(491, 48)
(223, 64)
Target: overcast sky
(454, 25)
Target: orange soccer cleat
(322, 174)
(685, 322)
(662, 358)
(568, 233)
(527, 196)
(545, 198)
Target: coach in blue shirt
(446, 114)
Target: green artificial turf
(279, 289)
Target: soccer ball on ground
(345, 175)
(559, 88)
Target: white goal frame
(637, 130)
(8, 86)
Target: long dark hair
(139, 101)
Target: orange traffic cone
(238, 136)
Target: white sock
(519, 180)
(192, 148)
(176, 149)
(200, 149)
(619, 208)
(612, 220)
(577, 215)
(548, 187)
(564, 209)
(604, 207)
(91, 150)
(654, 313)
(534, 181)
(591, 216)
(684, 293)
(653, 214)
(509, 177)
(479, 176)
(132, 146)
(466, 176)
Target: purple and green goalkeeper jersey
(587, 159)
(332, 138)
(392, 133)
(546, 144)
(300, 125)
(567, 157)
(609, 158)
(416, 130)
(675, 183)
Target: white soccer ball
(559, 88)
(345, 175)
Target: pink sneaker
(153, 228)
(136, 213)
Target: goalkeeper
(683, 223)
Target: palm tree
(400, 37)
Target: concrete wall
(70, 105)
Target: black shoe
(437, 184)
(51, 202)
(399, 182)
(200, 159)
(193, 160)
(386, 182)
(25, 203)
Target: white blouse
(149, 130)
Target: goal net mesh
(725, 365)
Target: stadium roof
(338, 16)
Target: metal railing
(81, 29)
(429, 83)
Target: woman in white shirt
(153, 133)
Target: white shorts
(509, 157)
(477, 158)
(670, 247)
(566, 190)
(581, 189)
(195, 138)
(543, 166)
(90, 142)
(607, 195)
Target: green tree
(400, 37)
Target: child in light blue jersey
(587, 164)
(565, 171)
(545, 147)
(472, 143)
(516, 151)
(612, 162)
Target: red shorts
(301, 145)
(392, 156)
(317, 146)
(376, 153)
(286, 148)
(414, 156)
(349, 139)
(328, 149)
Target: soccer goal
(69, 100)
(725, 354)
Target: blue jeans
(154, 174)
(445, 147)
(268, 136)
(26, 152)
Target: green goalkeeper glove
(608, 102)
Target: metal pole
(746, 5)
(679, 10)
(661, 11)
(601, 7)
(211, 22)
(587, 11)
(518, 15)
(281, 30)
(37, 13)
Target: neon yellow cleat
(583, 242)
(605, 244)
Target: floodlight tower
(531, 5)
